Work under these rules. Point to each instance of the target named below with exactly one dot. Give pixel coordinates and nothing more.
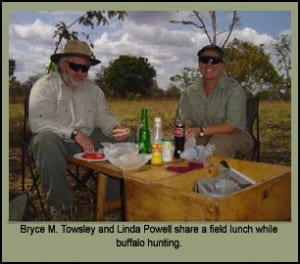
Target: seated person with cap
(214, 107)
(69, 114)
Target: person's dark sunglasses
(211, 59)
(75, 67)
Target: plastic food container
(125, 155)
(216, 187)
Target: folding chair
(253, 125)
(28, 163)
(253, 128)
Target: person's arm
(109, 125)
(210, 130)
(105, 119)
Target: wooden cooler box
(155, 194)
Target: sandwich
(120, 132)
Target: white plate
(79, 156)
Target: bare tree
(201, 24)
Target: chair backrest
(26, 138)
(28, 160)
(26, 129)
(252, 111)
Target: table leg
(101, 196)
(123, 199)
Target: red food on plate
(93, 155)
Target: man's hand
(85, 142)
(121, 133)
(192, 132)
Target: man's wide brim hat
(78, 49)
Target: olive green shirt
(225, 104)
(54, 107)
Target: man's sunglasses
(211, 59)
(75, 67)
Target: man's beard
(69, 81)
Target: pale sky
(169, 47)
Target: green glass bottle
(144, 133)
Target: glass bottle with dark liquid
(179, 135)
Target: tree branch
(212, 15)
(233, 23)
(203, 25)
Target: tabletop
(104, 167)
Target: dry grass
(129, 112)
(275, 132)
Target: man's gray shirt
(54, 107)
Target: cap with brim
(215, 48)
(78, 49)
